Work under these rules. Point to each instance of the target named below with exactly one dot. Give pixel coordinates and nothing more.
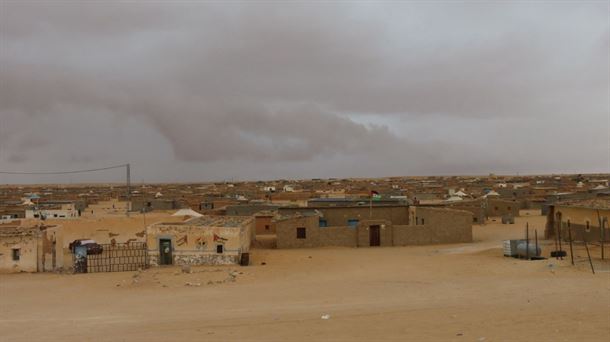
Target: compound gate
(116, 257)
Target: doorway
(165, 251)
(374, 236)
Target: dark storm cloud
(289, 83)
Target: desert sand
(461, 292)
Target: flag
(375, 195)
(218, 238)
(183, 240)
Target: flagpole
(371, 205)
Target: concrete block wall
(316, 236)
(385, 232)
(498, 207)
(338, 216)
(440, 226)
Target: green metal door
(165, 252)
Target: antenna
(126, 166)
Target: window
(301, 233)
(266, 227)
(496, 208)
(323, 223)
(422, 221)
(16, 253)
(569, 225)
(219, 249)
(508, 208)
(352, 222)
(416, 220)
(587, 227)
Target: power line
(62, 172)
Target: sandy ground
(463, 292)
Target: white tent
(454, 199)
(158, 194)
(187, 212)
(491, 193)
(460, 193)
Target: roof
(13, 231)
(593, 203)
(213, 221)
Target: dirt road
(465, 292)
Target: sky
(208, 91)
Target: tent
(454, 199)
(491, 193)
(187, 212)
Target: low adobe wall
(436, 226)
(316, 236)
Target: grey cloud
(267, 82)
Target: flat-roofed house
(206, 240)
(583, 219)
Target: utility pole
(127, 167)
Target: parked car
(92, 246)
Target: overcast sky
(210, 91)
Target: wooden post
(527, 241)
(588, 254)
(555, 239)
(559, 239)
(536, 237)
(571, 250)
(602, 233)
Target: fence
(116, 257)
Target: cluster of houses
(190, 238)
(96, 231)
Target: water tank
(533, 251)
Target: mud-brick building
(19, 249)
(206, 240)
(477, 207)
(409, 226)
(583, 219)
(500, 207)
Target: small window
(352, 222)
(36, 215)
(301, 233)
(569, 224)
(508, 208)
(416, 220)
(266, 227)
(323, 223)
(219, 249)
(587, 227)
(16, 254)
(422, 221)
(496, 208)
